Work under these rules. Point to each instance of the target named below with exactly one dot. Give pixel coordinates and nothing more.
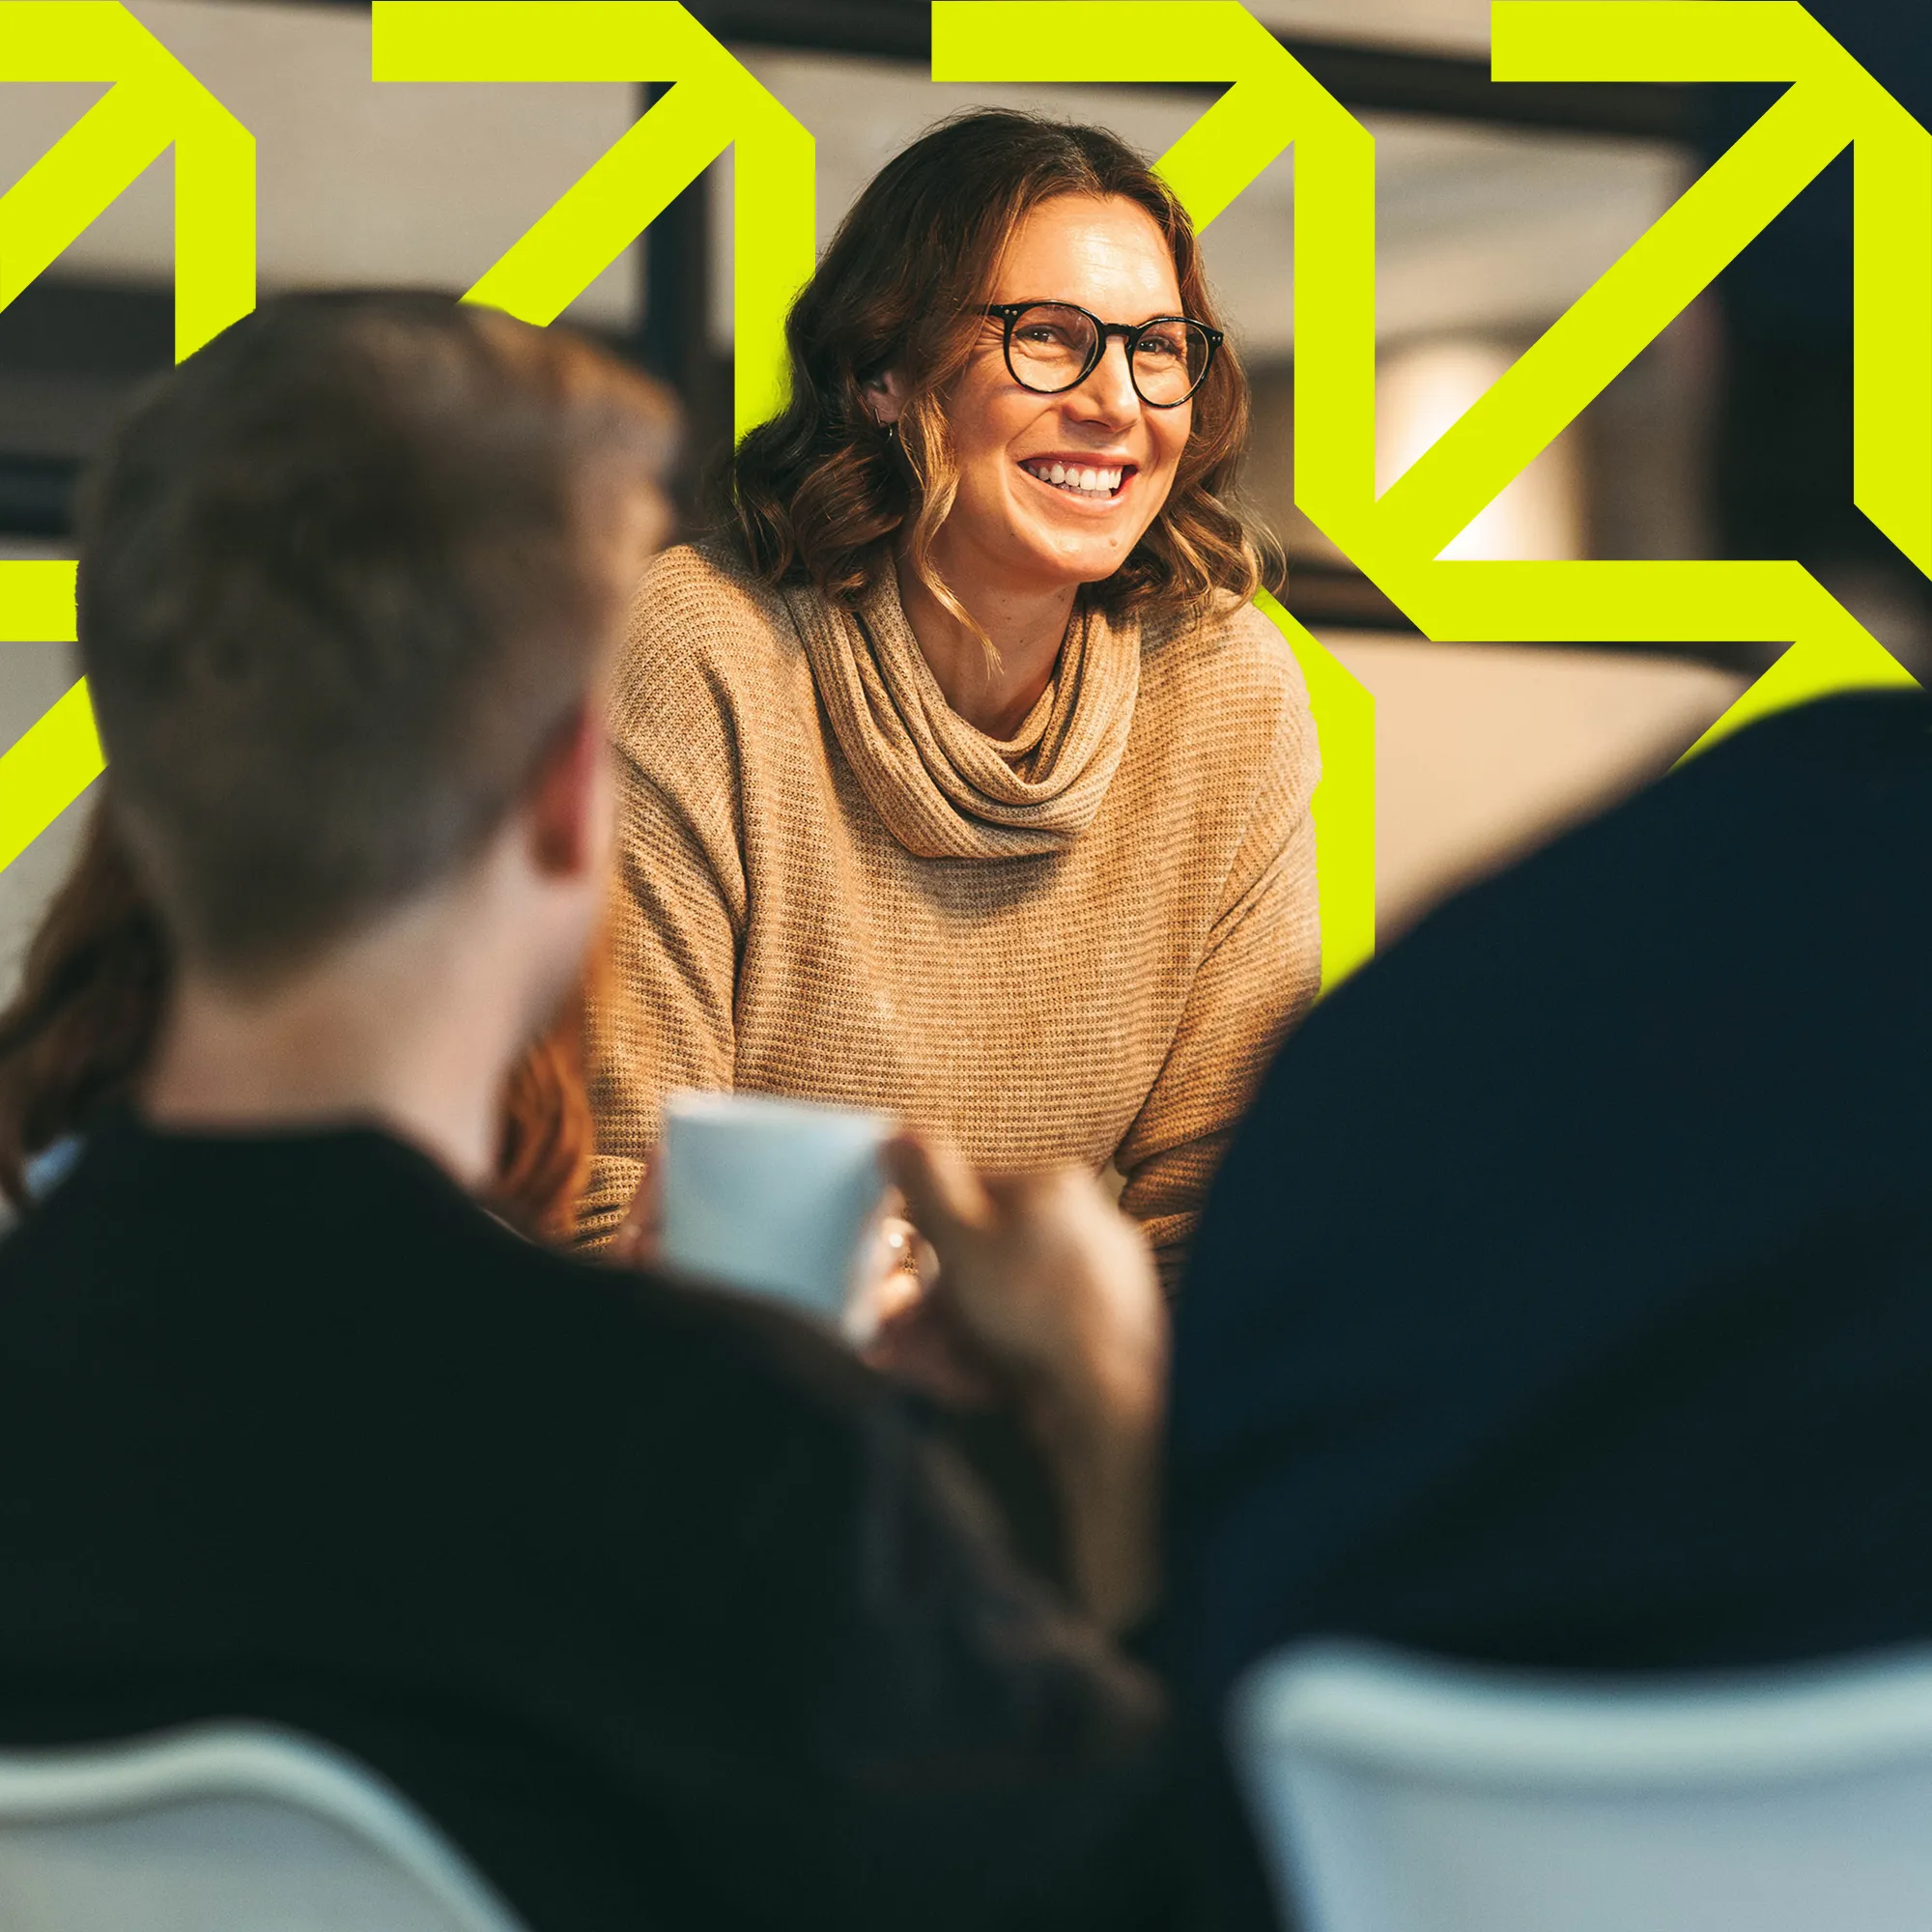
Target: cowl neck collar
(944, 789)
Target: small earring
(892, 432)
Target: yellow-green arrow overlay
(153, 102)
(713, 104)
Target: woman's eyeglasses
(1051, 347)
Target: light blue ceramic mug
(779, 1198)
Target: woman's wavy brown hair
(81, 1028)
(819, 492)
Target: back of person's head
(345, 574)
(80, 1031)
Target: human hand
(909, 1335)
(1043, 1282)
(1048, 1290)
(888, 1316)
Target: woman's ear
(884, 396)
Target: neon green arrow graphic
(154, 103)
(1831, 102)
(713, 104)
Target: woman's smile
(1105, 459)
(1099, 484)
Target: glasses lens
(1050, 347)
(1169, 358)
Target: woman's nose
(1108, 394)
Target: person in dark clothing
(649, 1598)
(658, 1603)
(1566, 1300)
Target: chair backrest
(222, 1829)
(1396, 1795)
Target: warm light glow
(1420, 391)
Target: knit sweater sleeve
(1259, 972)
(662, 1015)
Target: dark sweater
(655, 1600)
(1567, 1298)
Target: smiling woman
(961, 778)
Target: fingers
(945, 1199)
(919, 1347)
(1027, 1191)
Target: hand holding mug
(1050, 1293)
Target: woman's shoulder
(703, 632)
(1224, 697)
(1232, 659)
(697, 596)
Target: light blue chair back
(223, 1829)
(1392, 1794)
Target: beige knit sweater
(1075, 946)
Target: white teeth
(1089, 482)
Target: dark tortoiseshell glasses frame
(1008, 314)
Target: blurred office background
(1497, 207)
